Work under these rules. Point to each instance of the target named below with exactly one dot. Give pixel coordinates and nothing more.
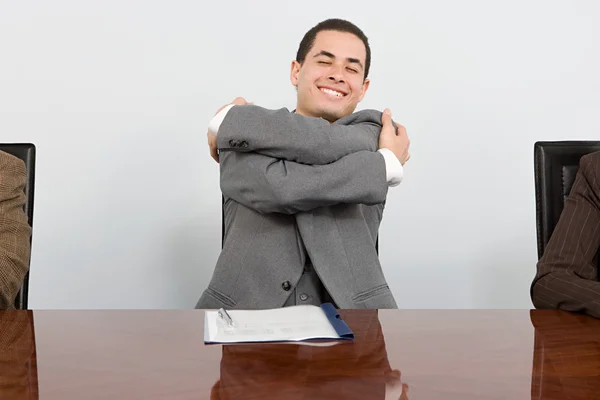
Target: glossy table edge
(546, 328)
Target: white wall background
(117, 94)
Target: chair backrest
(556, 165)
(26, 152)
(223, 226)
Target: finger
(212, 146)
(400, 130)
(214, 153)
(404, 394)
(386, 118)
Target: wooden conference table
(397, 354)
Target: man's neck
(297, 111)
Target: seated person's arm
(295, 137)
(15, 232)
(270, 185)
(566, 274)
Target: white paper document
(288, 324)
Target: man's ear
(364, 89)
(295, 70)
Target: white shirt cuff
(393, 168)
(217, 120)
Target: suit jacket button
(244, 144)
(232, 143)
(286, 285)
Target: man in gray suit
(305, 190)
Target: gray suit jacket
(295, 185)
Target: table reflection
(566, 359)
(18, 371)
(348, 370)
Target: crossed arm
(294, 137)
(14, 230)
(277, 161)
(269, 185)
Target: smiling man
(305, 191)
(331, 73)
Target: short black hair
(333, 24)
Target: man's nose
(338, 78)
(336, 75)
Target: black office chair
(26, 152)
(223, 226)
(556, 165)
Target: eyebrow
(331, 55)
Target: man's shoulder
(590, 163)
(10, 164)
(361, 116)
(591, 157)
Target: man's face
(331, 81)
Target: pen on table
(225, 315)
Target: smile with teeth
(332, 92)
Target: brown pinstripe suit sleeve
(566, 276)
(14, 229)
